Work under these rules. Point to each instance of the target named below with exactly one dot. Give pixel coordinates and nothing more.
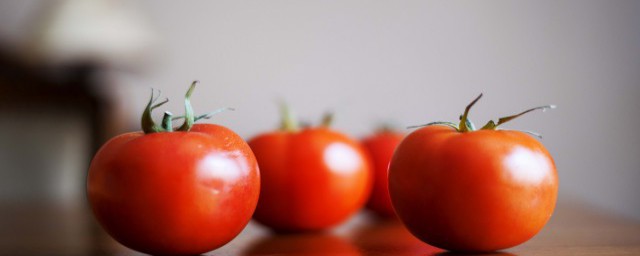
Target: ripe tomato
(182, 192)
(465, 190)
(380, 147)
(312, 178)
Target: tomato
(174, 192)
(380, 147)
(311, 179)
(473, 190)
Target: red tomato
(380, 147)
(311, 179)
(466, 190)
(174, 192)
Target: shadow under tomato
(302, 244)
(390, 237)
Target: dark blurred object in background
(49, 113)
(55, 96)
(53, 120)
(58, 107)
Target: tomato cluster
(192, 189)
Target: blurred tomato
(312, 179)
(380, 147)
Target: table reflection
(389, 237)
(474, 254)
(302, 244)
(574, 230)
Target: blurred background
(73, 73)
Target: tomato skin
(380, 147)
(174, 193)
(477, 191)
(311, 180)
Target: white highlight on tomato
(342, 158)
(528, 166)
(222, 168)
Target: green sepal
(189, 118)
(147, 123)
(289, 122)
(207, 115)
(149, 126)
(465, 124)
(166, 122)
(491, 125)
(327, 120)
(450, 124)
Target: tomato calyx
(386, 127)
(289, 122)
(327, 120)
(149, 126)
(465, 124)
(491, 125)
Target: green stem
(464, 124)
(289, 122)
(149, 126)
(327, 120)
(166, 121)
(385, 127)
(147, 123)
(189, 118)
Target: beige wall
(412, 62)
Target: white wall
(412, 62)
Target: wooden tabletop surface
(574, 229)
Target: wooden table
(575, 229)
